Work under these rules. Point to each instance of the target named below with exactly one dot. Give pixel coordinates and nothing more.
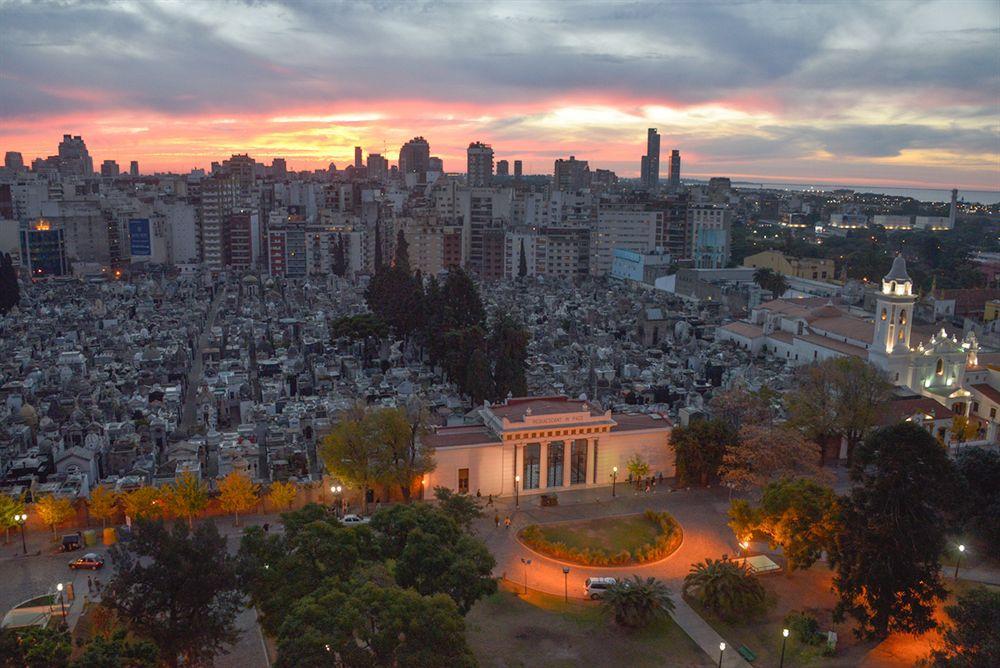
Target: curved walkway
(701, 514)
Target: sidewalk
(704, 635)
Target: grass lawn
(508, 630)
(608, 536)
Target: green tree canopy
(979, 501)
(971, 639)
(891, 532)
(699, 449)
(638, 602)
(727, 588)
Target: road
(197, 371)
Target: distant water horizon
(922, 194)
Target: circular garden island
(607, 541)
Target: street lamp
(517, 501)
(745, 545)
(566, 582)
(22, 519)
(784, 637)
(526, 562)
(722, 650)
(62, 605)
(614, 480)
(336, 490)
(961, 550)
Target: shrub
(666, 542)
(805, 627)
(725, 587)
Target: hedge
(665, 544)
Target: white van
(594, 588)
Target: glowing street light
(22, 519)
(784, 637)
(614, 480)
(722, 650)
(745, 545)
(336, 491)
(517, 501)
(62, 605)
(961, 551)
(526, 562)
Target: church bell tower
(894, 311)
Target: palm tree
(763, 277)
(725, 587)
(637, 602)
(778, 285)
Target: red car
(90, 560)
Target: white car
(594, 588)
(354, 520)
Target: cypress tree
(522, 265)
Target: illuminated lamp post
(21, 520)
(62, 604)
(517, 501)
(526, 562)
(961, 551)
(784, 638)
(614, 480)
(566, 582)
(336, 490)
(722, 650)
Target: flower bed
(609, 541)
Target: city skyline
(903, 95)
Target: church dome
(898, 271)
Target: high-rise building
(435, 164)
(378, 167)
(571, 175)
(357, 158)
(651, 161)
(43, 250)
(480, 165)
(503, 168)
(279, 169)
(13, 161)
(133, 168)
(675, 168)
(414, 157)
(517, 169)
(109, 168)
(710, 230)
(74, 159)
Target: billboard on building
(140, 242)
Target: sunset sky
(892, 93)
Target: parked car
(594, 588)
(354, 520)
(70, 542)
(89, 560)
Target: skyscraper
(479, 171)
(414, 157)
(109, 168)
(571, 175)
(378, 167)
(651, 161)
(503, 168)
(13, 161)
(74, 159)
(675, 168)
(133, 168)
(357, 157)
(517, 169)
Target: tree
(177, 588)
(698, 450)
(638, 602)
(509, 350)
(764, 453)
(187, 497)
(727, 588)
(971, 640)
(372, 625)
(34, 647)
(118, 651)
(979, 503)
(54, 510)
(103, 504)
(349, 452)
(738, 407)
(891, 532)
(143, 503)
(9, 508)
(237, 494)
(841, 396)
(462, 508)
(637, 468)
(282, 494)
(963, 429)
(796, 515)
(403, 457)
(522, 263)
(340, 256)
(401, 259)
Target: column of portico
(567, 458)
(543, 464)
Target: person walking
(496, 519)
(506, 522)
(90, 585)
(489, 500)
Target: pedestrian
(647, 487)
(267, 527)
(478, 494)
(496, 519)
(506, 522)
(489, 500)
(90, 584)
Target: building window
(463, 481)
(532, 462)
(578, 462)
(554, 465)
(939, 370)
(975, 407)
(993, 412)
(902, 317)
(884, 314)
